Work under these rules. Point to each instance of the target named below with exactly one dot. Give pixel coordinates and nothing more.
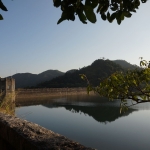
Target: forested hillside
(126, 65)
(99, 69)
(27, 79)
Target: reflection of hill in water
(100, 113)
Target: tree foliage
(87, 9)
(3, 8)
(132, 84)
(108, 9)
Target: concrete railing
(18, 134)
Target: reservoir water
(93, 122)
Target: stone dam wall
(18, 134)
(37, 96)
(51, 91)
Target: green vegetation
(131, 85)
(97, 71)
(24, 80)
(108, 9)
(3, 8)
(126, 65)
(85, 9)
(7, 106)
(118, 84)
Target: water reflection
(101, 109)
(92, 121)
(101, 113)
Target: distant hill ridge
(99, 69)
(126, 65)
(54, 78)
(29, 79)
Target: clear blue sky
(31, 41)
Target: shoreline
(37, 96)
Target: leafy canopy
(133, 85)
(108, 9)
(3, 8)
(87, 9)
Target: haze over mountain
(126, 65)
(29, 79)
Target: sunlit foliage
(130, 85)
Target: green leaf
(60, 20)
(111, 90)
(57, 3)
(82, 17)
(137, 3)
(88, 2)
(72, 17)
(1, 17)
(99, 8)
(90, 15)
(103, 9)
(108, 16)
(120, 110)
(144, 1)
(103, 16)
(127, 14)
(122, 16)
(118, 17)
(83, 77)
(63, 17)
(112, 17)
(2, 6)
(67, 14)
(134, 10)
(94, 3)
(114, 8)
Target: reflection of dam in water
(91, 121)
(100, 109)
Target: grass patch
(7, 105)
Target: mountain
(126, 65)
(53, 78)
(99, 69)
(71, 71)
(28, 79)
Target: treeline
(95, 72)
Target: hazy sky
(31, 41)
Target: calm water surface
(93, 122)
